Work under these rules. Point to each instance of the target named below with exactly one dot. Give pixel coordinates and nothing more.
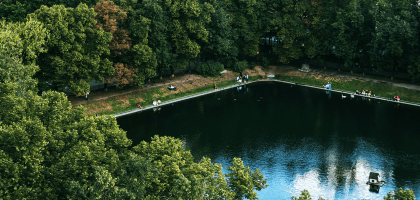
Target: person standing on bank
(87, 95)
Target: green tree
(240, 66)
(400, 194)
(304, 196)
(246, 24)
(159, 34)
(210, 69)
(395, 36)
(243, 181)
(74, 49)
(221, 35)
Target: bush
(252, 65)
(265, 62)
(240, 66)
(210, 69)
(230, 63)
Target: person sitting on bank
(154, 102)
(97, 115)
(357, 92)
(215, 86)
(370, 93)
(328, 86)
(247, 77)
(398, 98)
(172, 87)
(363, 92)
(139, 106)
(159, 102)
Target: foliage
(230, 62)
(240, 66)
(304, 196)
(243, 181)
(252, 64)
(221, 36)
(74, 49)
(264, 61)
(246, 22)
(400, 194)
(210, 69)
(159, 34)
(108, 16)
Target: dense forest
(50, 151)
(130, 41)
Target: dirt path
(181, 81)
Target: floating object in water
(374, 182)
(342, 96)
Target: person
(97, 115)
(87, 95)
(363, 92)
(398, 98)
(247, 78)
(237, 78)
(240, 74)
(139, 106)
(159, 101)
(357, 92)
(395, 98)
(369, 93)
(154, 102)
(215, 86)
(328, 86)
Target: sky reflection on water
(298, 137)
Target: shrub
(230, 63)
(265, 62)
(210, 69)
(252, 65)
(240, 66)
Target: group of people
(156, 102)
(239, 79)
(396, 98)
(365, 92)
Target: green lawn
(379, 89)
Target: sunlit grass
(379, 89)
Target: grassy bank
(115, 105)
(379, 89)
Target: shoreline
(250, 82)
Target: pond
(300, 138)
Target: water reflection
(299, 138)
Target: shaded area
(300, 138)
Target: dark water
(298, 137)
